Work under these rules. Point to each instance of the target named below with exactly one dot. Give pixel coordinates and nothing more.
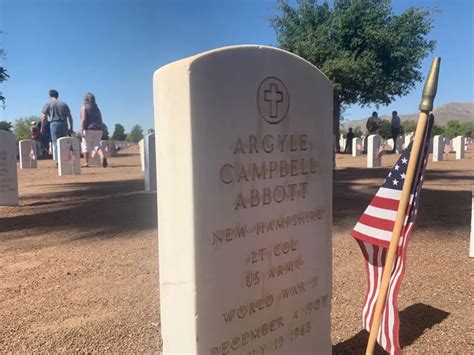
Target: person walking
(59, 115)
(372, 125)
(91, 130)
(349, 138)
(395, 129)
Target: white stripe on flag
(373, 232)
(389, 193)
(381, 213)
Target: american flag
(448, 147)
(32, 154)
(70, 154)
(373, 232)
(381, 151)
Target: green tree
(408, 126)
(437, 130)
(453, 129)
(358, 132)
(384, 129)
(105, 132)
(119, 133)
(467, 128)
(23, 126)
(3, 73)
(370, 54)
(6, 126)
(135, 134)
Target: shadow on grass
(354, 188)
(414, 320)
(109, 208)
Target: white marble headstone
(389, 144)
(8, 173)
(69, 159)
(28, 154)
(408, 139)
(374, 156)
(399, 144)
(141, 145)
(357, 147)
(459, 147)
(438, 148)
(244, 162)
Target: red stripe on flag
(376, 222)
(386, 203)
(366, 238)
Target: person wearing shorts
(91, 130)
(59, 116)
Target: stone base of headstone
(28, 154)
(374, 143)
(69, 159)
(8, 173)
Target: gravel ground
(79, 264)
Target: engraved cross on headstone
(273, 96)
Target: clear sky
(112, 47)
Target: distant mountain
(459, 111)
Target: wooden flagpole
(426, 105)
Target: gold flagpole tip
(431, 85)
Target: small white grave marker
(141, 145)
(375, 150)
(357, 147)
(459, 147)
(438, 148)
(399, 144)
(69, 159)
(8, 173)
(28, 154)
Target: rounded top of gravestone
(250, 48)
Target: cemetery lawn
(79, 261)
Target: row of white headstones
(68, 160)
(376, 146)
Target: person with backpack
(372, 125)
(91, 130)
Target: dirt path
(79, 264)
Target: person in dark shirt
(395, 129)
(91, 130)
(59, 115)
(349, 138)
